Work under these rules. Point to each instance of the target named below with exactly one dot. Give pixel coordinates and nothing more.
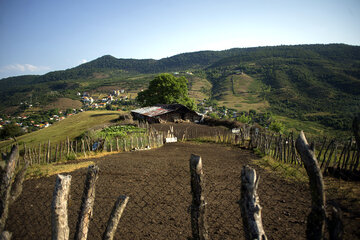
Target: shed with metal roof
(166, 113)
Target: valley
(293, 83)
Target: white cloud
(83, 61)
(24, 68)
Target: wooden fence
(70, 149)
(339, 158)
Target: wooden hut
(166, 113)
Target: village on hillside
(116, 100)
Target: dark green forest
(308, 82)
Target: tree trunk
(250, 205)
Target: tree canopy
(166, 89)
(11, 131)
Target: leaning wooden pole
(87, 203)
(6, 184)
(316, 219)
(115, 216)
(59, 215)
(198, 206)
(250, 205)
(17, 185)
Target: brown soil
(158, 184)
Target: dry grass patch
(37, 171)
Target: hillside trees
(166, 89)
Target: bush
(244, 119)
(277, 126)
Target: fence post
(250, 205)
(356, 131)
(115, 216)
(198, 205)
(45, 153)
(83, 147)
(59, 215)
(5, 187)
(117, 145)
(39, 153)
(316, 220)
(68, 146)
(56, 153)
(48, 152)
(17, 185)
(87, 203)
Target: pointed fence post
(198, 205)
(87, 203)
(250, 205)
(316, 220)
(59, 214)
(115, 216)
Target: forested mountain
(307, 82)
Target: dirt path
(158, 183)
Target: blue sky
(38, 36)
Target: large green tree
(11, 131)
(166, 89)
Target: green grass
(241, 92)
(288, 171)
(309, 127)
(71, 127)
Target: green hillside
(71, 127)
(318, 83)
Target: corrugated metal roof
(152, 111)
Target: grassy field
(310, 128)
(200, 88)
(63, 104)
(244, 94)
(71, 127)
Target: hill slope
(307, 82)
(71, 127)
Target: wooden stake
(48, 152)
(198, 205)
(115, 216)
(59, 214)
(87, 203)
(316, 219)
(250, 205)
(5, 187)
